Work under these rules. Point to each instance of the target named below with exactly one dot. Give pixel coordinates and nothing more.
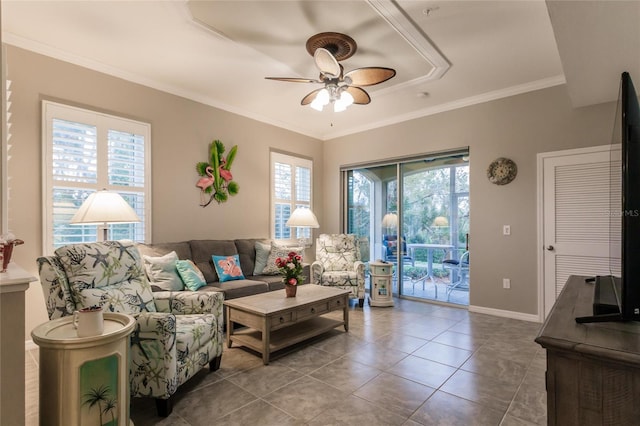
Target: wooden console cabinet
(593, 370)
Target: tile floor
(413, 364)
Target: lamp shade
(303, 217)
(104, 207)
(440, 221)
(390, 220)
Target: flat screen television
(617, 298)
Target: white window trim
(294, 161)
(103, 122)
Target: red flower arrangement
(290, 268)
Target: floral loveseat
(176, 333)
(338, 264)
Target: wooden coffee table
(275, 321)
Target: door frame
(541, 157)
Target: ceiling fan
(339, 88)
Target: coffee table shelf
(287, 336)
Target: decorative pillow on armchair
(228, 267)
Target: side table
(380, 279)
(84, 380)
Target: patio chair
(390, 247)
(460, 269)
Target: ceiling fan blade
(360, 97)
(310, 97)
(369, 76)
(326, 63)
(294, 79)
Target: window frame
(103, 123)
(294, 161)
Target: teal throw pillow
(190, 274)
(228, 267)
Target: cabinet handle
(338, 302)
(550, 248)
(313, 310)
(281, 319)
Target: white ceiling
(448, 54)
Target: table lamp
(440, 221)
(102, 208)
(303, 217)
(390, 222)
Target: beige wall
(518, 127)
(181, 132)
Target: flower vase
(6, 250)
(290, 290)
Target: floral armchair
(176, 333)
(338, 264)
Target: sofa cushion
(162, 271)
(228, 267)
(274, 282)
(247, 252)
(202, 250)
(182, 249)
(241, 288)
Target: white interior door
(578, 193)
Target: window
(291, 179)
(85, 151)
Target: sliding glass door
(415, 215)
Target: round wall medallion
(502, 171)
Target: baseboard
(30, 345)
(505, 314)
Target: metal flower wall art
(216, 181)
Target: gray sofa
(200, 252)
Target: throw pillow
(262, 255)
(190, 274)
(276, 252)
(162, 271)
(228, 267)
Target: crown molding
(457, 104)
(59, 54)
(46, 50)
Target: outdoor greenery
(428, 193)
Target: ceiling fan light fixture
(322, 98)
(339, 89)
(343, 102)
